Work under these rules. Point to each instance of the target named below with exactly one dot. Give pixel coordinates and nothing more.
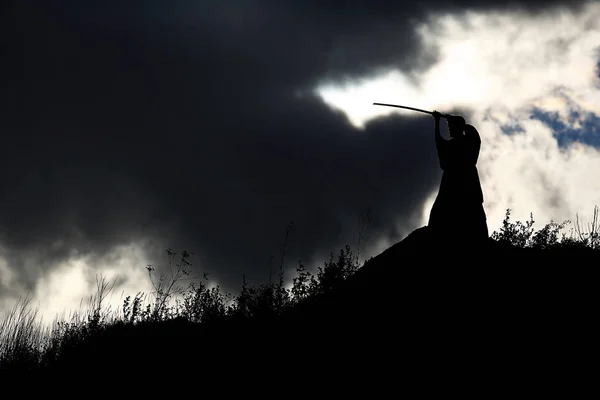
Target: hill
(421, 314)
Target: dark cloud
(194, 126)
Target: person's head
(456, 125)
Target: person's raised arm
(440, 142)
(438, 136)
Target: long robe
(458, 209)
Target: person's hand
(436, 116)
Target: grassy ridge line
(338, 292)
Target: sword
(411, 108)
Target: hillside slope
(420, 310)
(486, 312)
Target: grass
(172, 312)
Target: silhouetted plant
(265, 300)
(547, 237)
(591, 238)
(203, 304)
(334, 272)
(522, 234)
(20, 335)
(304, 284)
(98, 315)
(516, 233)
(134, 311)
(166, 287)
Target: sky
(211, 125)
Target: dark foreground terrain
(419, 317)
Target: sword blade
(405, 107)
(447, 116)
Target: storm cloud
(196, 126)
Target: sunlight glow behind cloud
(67, 287)
(503, 66)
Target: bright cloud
(67, 287)
(504, 67)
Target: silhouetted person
(458, 213)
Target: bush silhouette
(522, 234)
